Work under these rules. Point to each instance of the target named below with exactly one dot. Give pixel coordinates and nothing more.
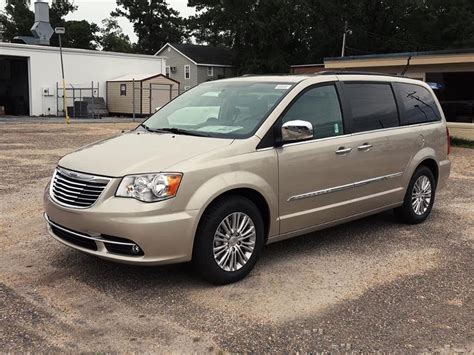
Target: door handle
(365, 147)
(343, 150)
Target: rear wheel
(229, 240)
(419, 197)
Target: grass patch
(461, 142)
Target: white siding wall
(81, 68)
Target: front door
(313, 175)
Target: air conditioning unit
(173, 69)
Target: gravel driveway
(369, 285)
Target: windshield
(226, 109)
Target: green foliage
(154, 22)
(113, 39)
(16, 20)
(461, 142)
(269, 35)
(81, 34)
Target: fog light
(136, 249)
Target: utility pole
(346, 32)
(60, 31)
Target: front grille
(76, 189)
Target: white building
(29, 75)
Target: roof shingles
(205, 54)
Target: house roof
(202, 55)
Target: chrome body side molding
(343, 187)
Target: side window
(372, 106)
(418, 104)
(319, 106)
(187, 71)
(123, 89)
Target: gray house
(192, 64)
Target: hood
(139, 152)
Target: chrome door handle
(343, 150)
(365, 147)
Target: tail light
(448, 140)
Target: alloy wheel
(234, 241)
(421, 195)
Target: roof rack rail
(349, 72)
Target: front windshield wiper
(175, 131)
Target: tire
(416, 209)
(210, 247)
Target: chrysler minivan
(232, 165)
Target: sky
(97, 10)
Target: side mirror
(298, 130)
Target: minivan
(232, 165)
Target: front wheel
(229, 240)
(419, 198)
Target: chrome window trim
(343, 187)
(85, 236)
(351, 135)
(79, 176)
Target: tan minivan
(234, 164)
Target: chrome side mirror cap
(298, 130)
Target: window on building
(319, 106)
(123, 89)
(187, 72)
(210, 71)
(419, 105)
(372, 106)
(167, 71)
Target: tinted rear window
(372, 106)
(418, 105)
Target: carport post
(150, 97)
(133, 98)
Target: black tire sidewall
(203, 251)
(407, 209)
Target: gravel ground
(371, 285)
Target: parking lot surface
(369, 285)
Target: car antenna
(406, 66)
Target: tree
(81, 34)
(267, 36)
(154, 22)
(113, 39)
(16, 19)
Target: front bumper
(162, 236)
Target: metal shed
(140, 94)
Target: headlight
(150, 187)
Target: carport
(14, 85)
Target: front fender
(231, 180)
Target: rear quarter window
(417, 104)
(372, 106)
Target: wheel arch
(431, 164)
(251, 194)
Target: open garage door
(14, 87)
(455, 93)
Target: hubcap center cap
(233, 241)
